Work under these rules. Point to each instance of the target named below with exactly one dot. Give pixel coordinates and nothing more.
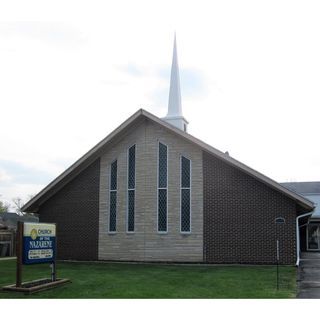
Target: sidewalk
(7, 258)
(309, 276)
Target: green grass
(111, 280)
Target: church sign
(39, 243)
(36, 243)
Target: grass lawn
(111, 280)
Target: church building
(150, 191)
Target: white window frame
(131, 189)
(167, 226)
(113, 190)
(183, 188)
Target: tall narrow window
(113, 197)
(185, 213)
(162, 187)
(131, 187)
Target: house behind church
(310, 228)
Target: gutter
(298, 234)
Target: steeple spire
(174, 107)
(174, 115)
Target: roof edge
(305, 203)
(81, 160)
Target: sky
(72, 71)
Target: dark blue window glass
(185, 210)
(185, 172)
(113, 211)
(113, 197)
(185, 218)
(132, 167)
(131, 187)
(131, 210)
(162, 210)
(162, 166)
(113, 176)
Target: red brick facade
(239, 217)
(75, 209)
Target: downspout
(298, 234)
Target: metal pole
(278, 264)
(53, 271)
(19, 254)
(53, 264)
(55, 257)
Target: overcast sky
(72, 71)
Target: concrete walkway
(8, 258)
(309, 276)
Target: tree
(4, 206)
(18, 203)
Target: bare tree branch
(19, 203)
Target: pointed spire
(174, 115)
(174, 106)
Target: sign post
(279, 221)
(36, 243)
(278, 264)
(53, 271)
(19, 254)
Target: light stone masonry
(146, 244)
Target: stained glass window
(185, 210)
(132, 167)
(113, 211)
(113, 176)
(185, 172)
(162, 187)
(113, 197)
(185, 218)
(131, 210)
(131, 188)
(162, 210)
(162, 183)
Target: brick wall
(75, 209)
(239, 218)
(232, 213)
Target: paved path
(7, 258)
(309, 276)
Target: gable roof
(308, 187)
(310, 190)
(10, 219)
(140, 115)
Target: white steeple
(174, 115)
